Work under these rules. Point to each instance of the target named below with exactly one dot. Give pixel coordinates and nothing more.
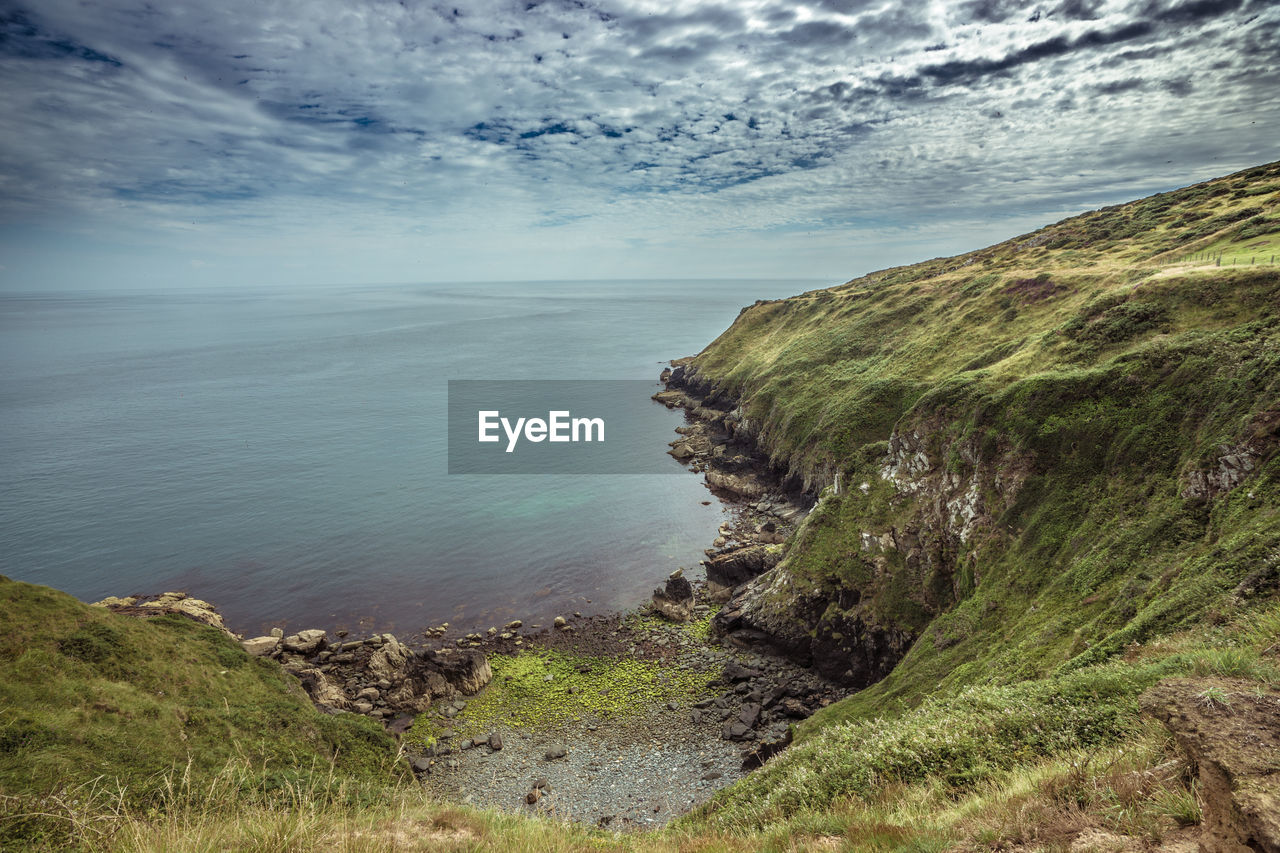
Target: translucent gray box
(559, 426)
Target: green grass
(91, 698)
(1088, 364)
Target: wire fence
(1230, 259)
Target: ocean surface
(282, 453)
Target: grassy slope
(1098, 348)
(89, 695)
(1107, 356)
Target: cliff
(1028, 456)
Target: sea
(282, 452)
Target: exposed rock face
(845, 646)
(742, 564)
(467, 671)
(1233, 464)
(378, 676)
(952, 488)
(1233, 736)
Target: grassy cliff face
(100, 707)
(1047, 449)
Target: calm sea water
(283, 453)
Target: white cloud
(568, 134)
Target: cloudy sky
(177, 143)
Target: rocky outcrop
(178, 603)
(1231, 731)
(675, 599)
(1232, 464)
(848, 646)
(382, 677)
(378, 676)
(739, 565)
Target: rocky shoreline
(636, 765)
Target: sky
(267, 142)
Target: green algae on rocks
(540, 688)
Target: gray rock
(734, 671)
(713, 774)
(555, 752)
(422, 765)
(495, 741)
(260, 646)
(304, 642)
(749, 715)
(466, 671)
(741, 564)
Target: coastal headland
(1002, 573)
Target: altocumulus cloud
(544, 138)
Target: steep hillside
(1029, 456)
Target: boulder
(304, 642)
(466, 671)
(389, 659)
(742, 564)
(682, 451)
(260, 646)
(742, 486)
(678, 587)
(675, 599)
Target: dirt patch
(1231, 730)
